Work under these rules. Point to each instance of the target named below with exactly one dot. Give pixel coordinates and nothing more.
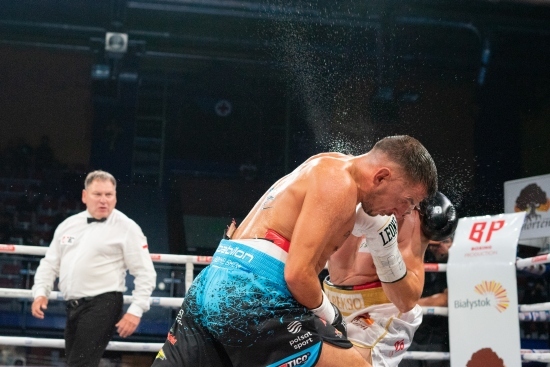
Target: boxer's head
(401, 174)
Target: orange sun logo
(497, 290)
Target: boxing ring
(533, 312)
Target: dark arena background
(197, 106)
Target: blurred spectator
(532, 289)
(433, 333)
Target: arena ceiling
(189, 33)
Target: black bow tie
(91, 220)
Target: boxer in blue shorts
(245, 288)
(260, 302)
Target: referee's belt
(74, 303)
(350, 299)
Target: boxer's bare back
(293, 200)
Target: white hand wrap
(326, 310)
(390, 268)
(381, 241)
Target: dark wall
(46, 92)
(480, 134)
(227, 116)
(113, 127)
(218, 198)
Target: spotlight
(116, 42)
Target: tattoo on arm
(265, 205)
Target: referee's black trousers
(90, 327)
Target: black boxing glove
(329, 312)
(339, 323)
(439, 219)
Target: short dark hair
(413, 157)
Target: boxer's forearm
(305, 287)
(435, 300)
(405, 293)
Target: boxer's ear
(381, 176)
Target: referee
(90, 253)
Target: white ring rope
(205, 260)
(535, 356)
(542, 355)
(57, 296)
(163, 301)
(428, 356)
(188, 260)
(439, 311)
(534, 312)
(535, 307)
(538, 313)
(528, 261)
(160, 258)
(435, 267)
(60, 344)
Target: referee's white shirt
(92, 258)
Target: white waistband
(265, 246)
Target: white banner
(530, 195)
(483, 301)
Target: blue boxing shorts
(239, 312)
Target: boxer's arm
(402, 275)
(435, 300)
(328, 204)
(438, 220)
(405, 293)
(343, 264)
